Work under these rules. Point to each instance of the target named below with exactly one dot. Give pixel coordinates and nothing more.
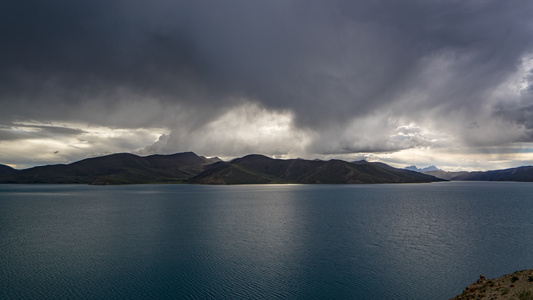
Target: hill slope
(513, 174)
(4, 170)
(445, 175)
(524, 173)
(122, 168)
(258, 169)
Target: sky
(445, 83)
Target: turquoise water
(405, 241)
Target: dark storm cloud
(327, 62)
(522, 115)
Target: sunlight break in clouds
(31, 144)
(242, 130)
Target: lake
(391, 241)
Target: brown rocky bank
(518, 286)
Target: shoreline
(518, 285)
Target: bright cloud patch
(28, 144)
(245, 129)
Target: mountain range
(187, 167)
(258, 169)
(524, 174)
(514, 174)
(427, 169)
(121, 168)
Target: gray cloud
(183, 64)
(25, 131)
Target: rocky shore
(518, 286)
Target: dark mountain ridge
(121, 168)
(259, 169)
(187, 167)
(524, 174)
(6, 170)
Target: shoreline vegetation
(518, 286)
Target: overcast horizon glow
(445, 83)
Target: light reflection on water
(408, 241)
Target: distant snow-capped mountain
(427, 169)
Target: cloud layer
(288, 78)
